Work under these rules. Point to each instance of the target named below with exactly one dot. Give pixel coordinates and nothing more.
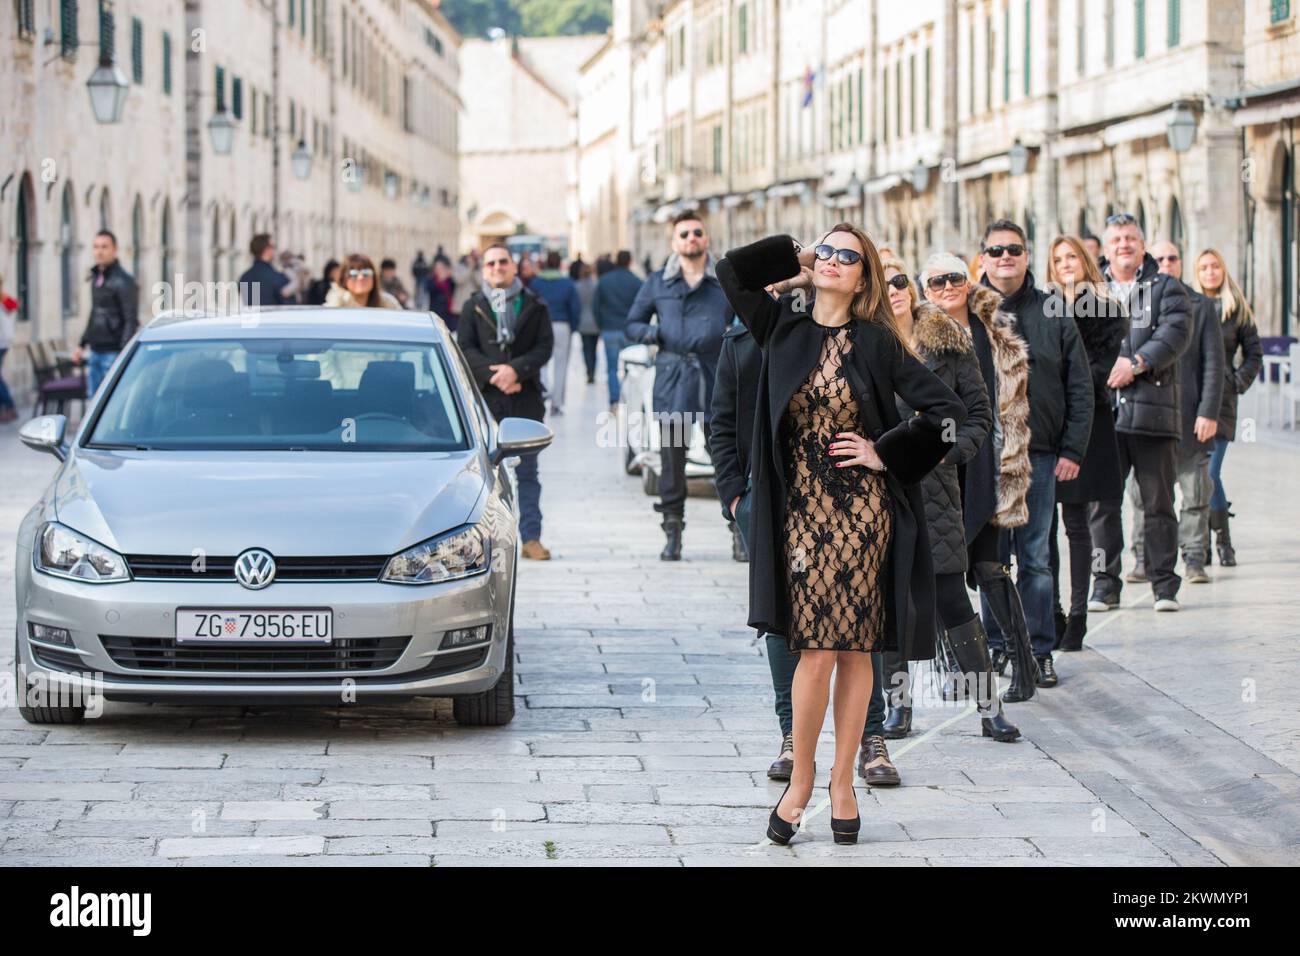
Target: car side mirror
(520, 436)
(46, 434)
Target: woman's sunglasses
(845, 257)
(361, 273)
(954, 279)
(899, 282)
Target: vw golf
(313, 506)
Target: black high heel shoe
(780, 831)
(846, 830)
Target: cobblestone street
(645, 725)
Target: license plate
(310, 626)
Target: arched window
(165, 248)
(105, 210)
(1142, 216)
(216, 245)
(1084, 228)
(67, 251)
(137, 237)
(25, 236)
(1176, 229)
(232, 249)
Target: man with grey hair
(1148, 420)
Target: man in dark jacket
(1149, 418)
(262, 283)
(505, 333)
(616, 290)
(731, 435)
(562, 302)
(1060, 423)
(114, 312)
(1201, 384)
(693, 314)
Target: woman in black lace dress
(840, 560)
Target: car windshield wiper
(110, 446)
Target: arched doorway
(68, 251)
(216, 244)
(165, 246)
(1177, 230)
(105, 210)
(137, 238)
(25, 238)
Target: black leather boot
(971, 646)
(1223, 537)
(945, 661)
(672, 525)
(1004, 600)
(738, 550)
(898, 695)
(1075, 629)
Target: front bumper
(413, 619)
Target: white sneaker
(1168, 604)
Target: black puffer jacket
(1160, 323)
(1200, 371)
(1239, 335)
(114, 310)
(949, 352)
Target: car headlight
(61, 551)
(456, 555)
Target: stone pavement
(645, 726)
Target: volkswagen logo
(255, 569)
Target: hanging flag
(808, 77)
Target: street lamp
(920, 176)
(1018, 156)
(107, 86)
(221, 129)
(1182, 128)
(301, 160)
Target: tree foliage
(531, 18)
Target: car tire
(44, 715)
(495, 707)
(650, 481)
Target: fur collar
(937, 333)
(673, 267)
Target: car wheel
(495, 707)
(650, 481)
(44, 715)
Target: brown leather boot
(534, 551)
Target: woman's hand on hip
(856, 450)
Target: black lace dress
(839, 521)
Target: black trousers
(674, 443)
(1079, 537)
(1153, 462)
(590, 340)
(951, 600)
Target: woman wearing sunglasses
(358, 287)
(838, 560)
(948, 350)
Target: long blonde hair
(893, 262)
(1092, 277)
(1234, 302)
(872, 303)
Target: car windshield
(269, 394)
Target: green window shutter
(929, 67)
(898, 99)
(1174, 33)
(862, 106)
(237, 97)
(107, 31)
(1110, 33)
(26, 12)
(293, 10)
(68, 40)
(137, 50)
(1139, 28)
(1279, 10)
(219, 82)
(1029, 48)
(167, 62)
(1006, 55)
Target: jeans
(1033, 560)
(530, 498)
(1153, 462)
(615, 342)
(1193, 478)
(97, 366)
(1218, 498)
(6, 399)
(780, 660)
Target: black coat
(878, 368)
(1200, 372)
(1103, 326)
(949, 352)
(1159, 326)
(1238, 336)
(734, 394)
(114, 310)
(261, 284)
(527, 354)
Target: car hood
(291, 503)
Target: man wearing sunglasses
(1148, 420)
(693, 315)
(1060, 424)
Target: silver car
(305, 505)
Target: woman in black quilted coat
(948, 351)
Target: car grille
(168, 567)
(164, 654)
